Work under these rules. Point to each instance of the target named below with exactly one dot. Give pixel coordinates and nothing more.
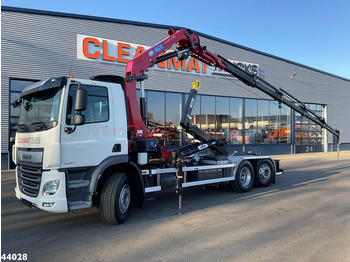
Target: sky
(315, 33)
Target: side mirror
(78, 120)
(16, 103)
(80, 100)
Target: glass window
(263, 121)
(285, 124)
(14, 111)
(208, 115)
(19, 85)
(196, 111)
(298, 128)
(274, 123)
(14, 123)
(251, 136)
(222, 119)
(138, 94)
(16, 88)
(97, 107)
(306, 131)
(173, 115)
(312, 107)
(236, 113)
(156, 113)
(40, 108)
(196, 117)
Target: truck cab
(56, 156)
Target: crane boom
(188, 44)
(280, 95)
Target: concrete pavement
(305, 216)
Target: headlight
(51, 187)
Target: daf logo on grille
(33, 157)
(27, 157)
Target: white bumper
(58, 200)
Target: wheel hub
(124, 198)
(264, 172)
(245, 176)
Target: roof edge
(128, 22)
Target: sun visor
(44, 85)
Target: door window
(97, 109)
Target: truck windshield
(39, 110)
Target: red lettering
(204, 68)
(121, 52)
(104, 52)
(24, 140)
(193, 65)
(86, 41)
(176, 63)
(139, 50)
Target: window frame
(87, 123)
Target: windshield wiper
(41, 124)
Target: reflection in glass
(280, 122)
(16, 87)
(208, 114)
(19, 85)
(250, 121)
(263, 121)
(173, 115)
(274, 122)
(14, 111)
(236, 115)
(196, 118)
(97, 109)
(138, 92)
(156, 113)
(222, 119)
(41, 107)
(285, 124)
(310, 133)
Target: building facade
(41, 44)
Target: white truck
(84, 142)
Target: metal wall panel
(37, 46)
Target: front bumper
(56, 203)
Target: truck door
(92, 142)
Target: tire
(244, 179)
(115, 199)
(264, 172)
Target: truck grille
(29, 179)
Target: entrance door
(308, 135)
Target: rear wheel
(244, 179)
(264, 172)
(115, 200)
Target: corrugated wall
(37, 46)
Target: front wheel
(244, 179)
(115, 200)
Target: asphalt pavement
(305, 216)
